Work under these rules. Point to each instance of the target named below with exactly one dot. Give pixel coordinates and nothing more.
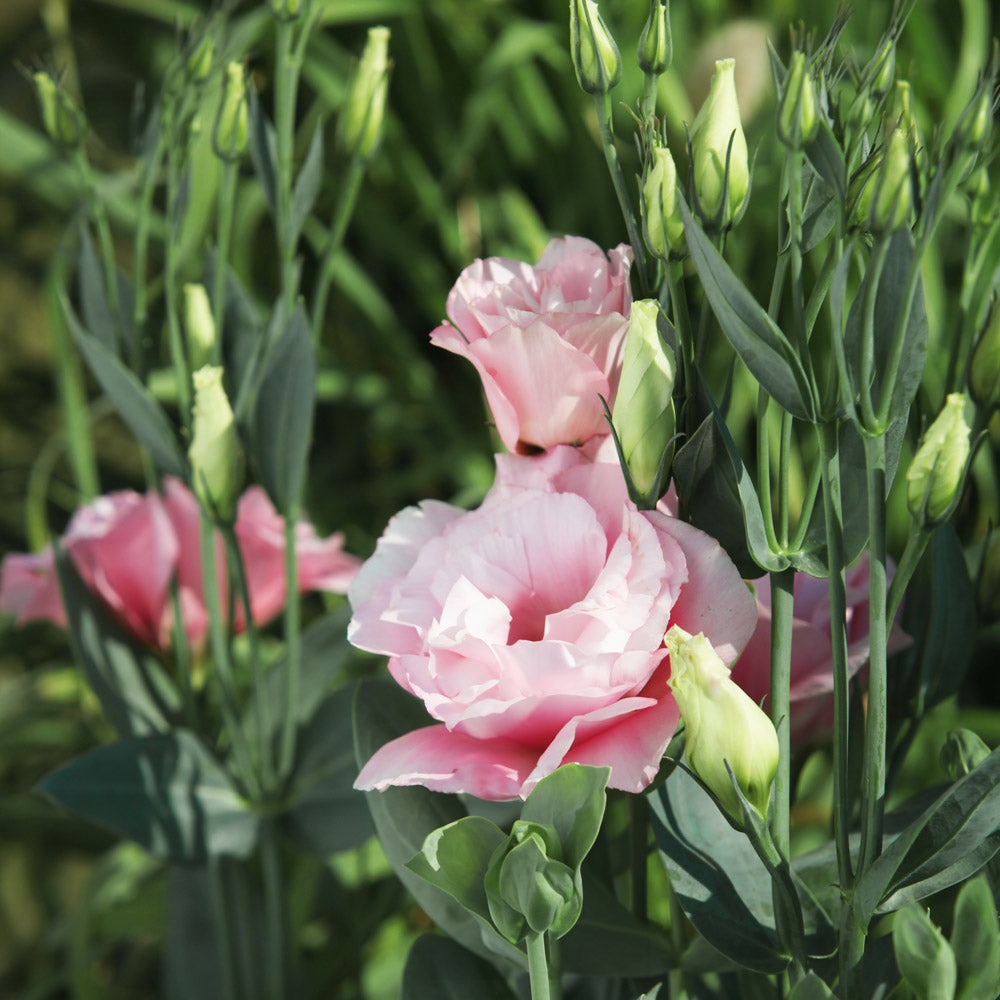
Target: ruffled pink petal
(444, 761)
(29, 588)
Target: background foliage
(489, 149)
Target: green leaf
(166, 792)
(820, 213)
(135, 405)
(925, 958)
(438, 968)
(827, 159)
(811, 987)
(720, 882)
(94, 307)
(307, 183)
(975, 938)
(327, 814)
(572, 799)
(128, 680)
(403, 818)
(455, 858)
(264, 151)
(281, 422)
(755, 337)
(954, 837)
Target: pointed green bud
(199, 60)
(595, 55)
(199, 326)
(975, 124)
(717, 141)
(360, 127)
(893, 191)
(984, 370)
(797, 118)
(656, 47)
(215, 454)
(63, 120)
(231, 123)
(936, 472)
(882, 68)
(286, 10)
(723, 724)
(643, 414)
(663, 226)
(963, 751)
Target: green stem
(834, 520)
(805, 513)
(292, 653)
(287, 63)
(784, 461)
(638, 851)
(873, 775)
(182, 656)
(647, 103)
(338, 227)
(538, 967)
(603, 105)
(866, 375)
(275, 912)
(175, 340)
(139, 310)
(782, 585)
(818, 295)
(795, 230)
(224, 930)
(915, 545)
(764, 468)
(224, 234)
(682, 323)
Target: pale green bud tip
(231, 123)
(978, 119)
(935, 474)
(797, 119)
(62, 119)
(643, 414)
(364, 109)
(215, 455)
(717, 134)
(199, 324)
(286, 10)
(893, 195)
(723, 724)
(883, 68)
(199, 60)
(655, 43)
(661, 212)
(595, 55)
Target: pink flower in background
(128, 546)
(532, 629)
(547, 340)
(812, 656)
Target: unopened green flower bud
(899, 113)
(63, 120)
(893, 192)
(723, 724)
(861, 190)
(656, 47)
(199, 60)
(719, 159)
(663, 225)
(199, 326)
(882, 68)
(286, 10)
(963, 751)
(797, 118)
(936, 472)
(643, 415)
(215, 454)
(595, 55)
(975, 124)
(231, 123)
(984, 370)
(364, 109)
(982, 204)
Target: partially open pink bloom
(127, 547)
(547, 340)
(812, 655)
(532, 628)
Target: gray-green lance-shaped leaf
(128, 680)
(890, 301)
(326, 813)
(263, 151)
(307, 183)
(455, 858)
(166, 792)
(94, 307)
(438, 968)
(811, 987)
(951, 840)
(827, 159)
(975, 938)
(281, 423)
(926, 960)
(755, 337)
(143, 416)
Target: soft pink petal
(29, 588)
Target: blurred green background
(490, 149)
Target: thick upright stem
(538, 967)
(780, 702)
(292, 653)
(224, 233)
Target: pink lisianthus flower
(812, 654)
(127, 547)
(532, 628)
(547, 340)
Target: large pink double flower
(127, 546)
(532, 628)
(547, 340)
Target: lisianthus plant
(644, 692)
